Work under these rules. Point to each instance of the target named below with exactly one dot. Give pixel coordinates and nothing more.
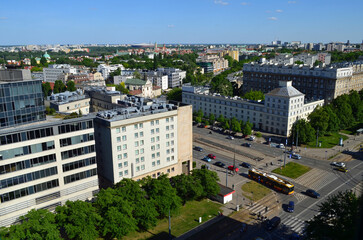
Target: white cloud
(272, 18)
(291, 2)
(3, 18)
(171, 26)
(245, 3)
(220, 2)
(279, 11)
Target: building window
(137, 169)
(157, 138)
(141, 142)
(141, 151)
(136, 135)
(126, 172)
(125, 164)
(153, 156)
(172, 169)
(152, 139)
(157, 122)
(118, 139)
(137, 160)
(137, 152)
(142, 159)
(167, 120)
(135, 127)
(124, 138)
(136, 144)
(119, 157)
(123, 129)
(125, 155)
(141, 134)
(141, 125)
(118, 148)
(143, 167)
(158, 162)
(153, 164)
(124, 146)
(120, 165)
(152, 123)
(167, 136)
(117, 130)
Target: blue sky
(179, 21)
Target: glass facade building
(21, 102)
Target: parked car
(273, 223)
(199, 149)
(232, 168)
(230, 137)
(337, 164)
(281, 145)
(207, 159)
(295, 156)
(290, 207)
(252, 138)
(247, 144)
(211, 156)
(246, 165)
(341, 169)
(312, 193)
(220, 164)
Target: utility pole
(285, 153)
(297, 137)
(317, 137)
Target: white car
(230, 137)
(337, 164)
(281, 145)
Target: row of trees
(127, 207)
(227, 124)
(343, 112)
(58, 87)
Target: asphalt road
(325, 180)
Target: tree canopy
(338, 219)
(175, 94)
(254, 95)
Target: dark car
(273, 223)
(199, 149)
(220, 164)
(290, 207)
(246, 165)
(312, 193)
(247, 144)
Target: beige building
(45, 164)
(103, 99)
(69, 102)
(281, 108)
(144, 139)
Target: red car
(211, 156)
(232, 168)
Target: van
(273, 223)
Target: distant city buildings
(212, 63)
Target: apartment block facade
(144, 140)
(277, 114)
(315, 82)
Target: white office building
(105, 69)
(277, 114)
(45, 164)
(57, 71)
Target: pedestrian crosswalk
(294, 224)
(259, 209)
(299, 196)
(315, 179)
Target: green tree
(71, 86)
(164, 195)
(319, 119)
(343, 110)
(305, 130)
(44, 62)
(59, 86)
(143, 209)
(247, 128)
(121, 87)
(36, 224)
(79, 220)
(117, 219)
(50, 111)
(235, 125)
(333, 124)
(198, 119)
(136, 75)
(187, 187)
(356, 104)
(220, 84)
(47, 90)
(299, 62)
(33, 62)
(338, 219)
(226, 125)
(212, 118)
(200, 113)
(209, 181)
(117, 72)
(254, 95)
(175, 94)
(221, 119)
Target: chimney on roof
(285, 83)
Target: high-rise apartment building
(144, 139)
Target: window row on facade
(79, 176)
(79, 164)
(72, 127)
(26, 135)
(77, 152)
(76, 139)
(13, 167)
(20, 151)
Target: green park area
(187, 219)
(292, 170)
(254, 191)
(327, 141)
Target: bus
(271, 181)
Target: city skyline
(187, 22)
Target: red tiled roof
(135, 92)
(156, 87)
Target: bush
(194, 164)
(258, 134)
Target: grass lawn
(186, 220)
(292, 170)
(328, 141)
(254, 191)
